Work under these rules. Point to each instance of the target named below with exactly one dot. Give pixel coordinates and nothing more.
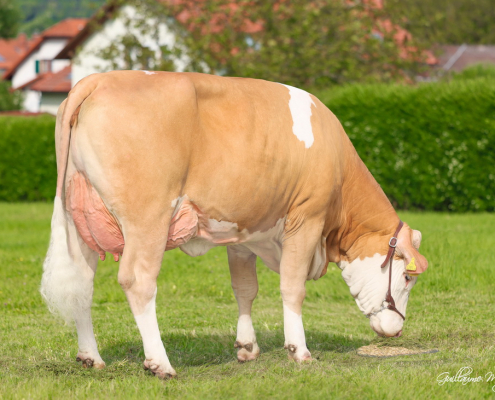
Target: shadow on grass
(187, 350)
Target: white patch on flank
(154, 350)
(149, 72)
(300, 108)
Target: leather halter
(390, 256)
(389, 259)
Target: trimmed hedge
(431, 146)
(28, 169)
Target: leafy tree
(306, 44)
(41, 14)
(10, 16)
(447, 21)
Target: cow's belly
(190, 229)
(206, 233)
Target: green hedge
(27, 158)
(430, 146)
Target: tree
(299, 42)
(10, 17)
(447, 21)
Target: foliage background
(431, 146)
(439, 21)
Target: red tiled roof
(103, 14)
(52, 82)
(29, 83)
(67, 28)
(12, 49)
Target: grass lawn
(451, 308)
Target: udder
(102, 233)
(95, 224)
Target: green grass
(451, 308)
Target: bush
(9, 100)
(475, 71)
(431, 146)
(28, 168)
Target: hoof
(88, 362)
(247, 351)
(298, 355)
(158, 371)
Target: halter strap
(389, 259)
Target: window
(43, 66)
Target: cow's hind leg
(242, 263)
(67, 283)
(138, 272)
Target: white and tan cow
(148, 162)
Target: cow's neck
(368, 219)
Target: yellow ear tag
(411, 266)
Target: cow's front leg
(297, 254)
(138, 271)
(242, 264)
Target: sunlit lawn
(451, 308)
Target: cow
(151, 161)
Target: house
(11, 50)
(53, 62)
(36, 68)
(456, 58)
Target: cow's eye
(408, 278)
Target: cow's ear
(407, 248)
(416, 239)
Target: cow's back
(227, 145)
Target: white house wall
(31, 101)
(51, 101)
(27, 70)
(87, 61)
(58, 65)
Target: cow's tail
(65, 286)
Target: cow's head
(368, 282)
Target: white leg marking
(88, 349)
(245, 330)
(154, 351)
(246, 337)
(295, 339)
(300, 108)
